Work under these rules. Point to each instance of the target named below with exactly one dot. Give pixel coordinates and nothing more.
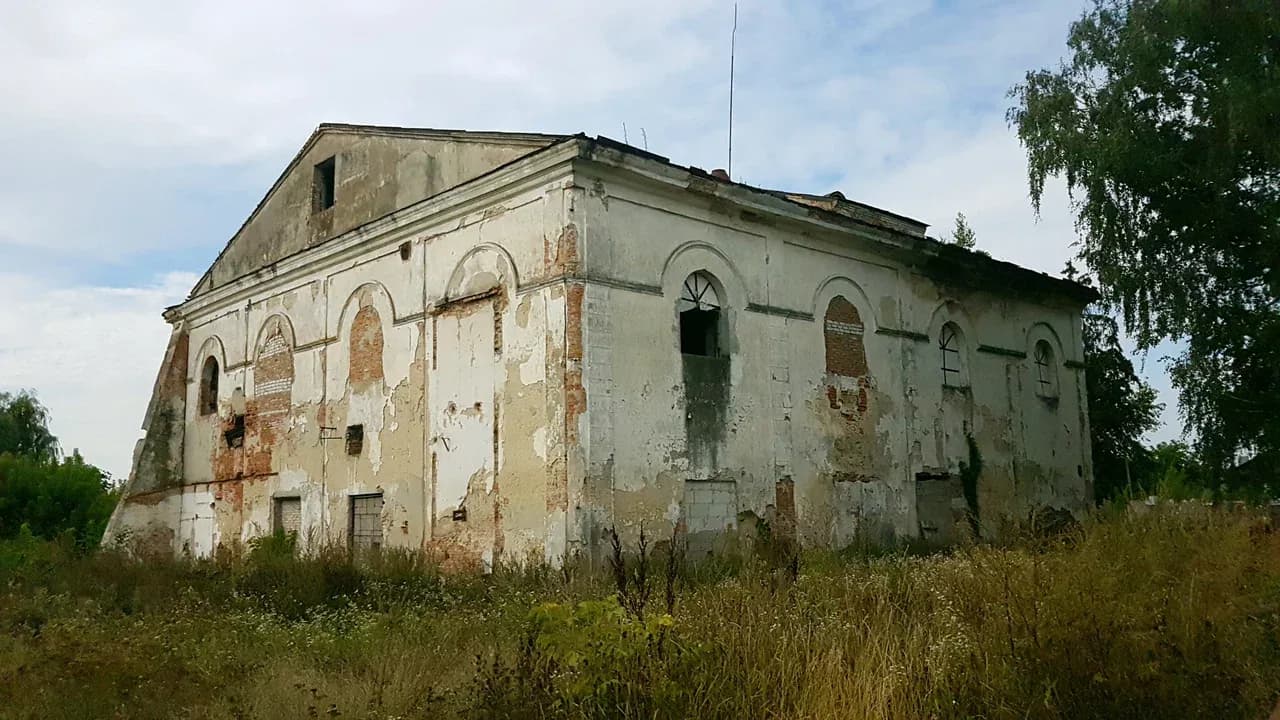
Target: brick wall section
(842, 330)
(366, 347)
(710, 506)
(272, 398)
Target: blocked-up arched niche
(848, 377)
(273, 366)
(842, 331)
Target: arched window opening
(209, 386)
(1046, 370)
(951, 343)
(699, 308)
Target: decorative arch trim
(463, 280)
(379, 292)
(212, 345)
(285, 323)
(1043, 331)
(842, 285)
(694, 256)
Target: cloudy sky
(138, 135)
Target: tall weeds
(1172, 615)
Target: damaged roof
(933, 257)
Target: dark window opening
(235, 434)
(405, 250)
(700, 332)
(209, 387)
(365, 530)
(325, 176)
(355, 439)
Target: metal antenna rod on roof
(733, 37)
(624, 134)
(644, 137)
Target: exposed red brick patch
(366, 347)
(268, 410)
(561, 253)
(842, 331)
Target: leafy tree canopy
(1165, 124)
(24, 427)
(1122, 408)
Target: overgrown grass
(1176, 614)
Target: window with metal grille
(952, 360)
(366, 521)
(1046, 370)
(288, 516)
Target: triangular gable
(375, 171)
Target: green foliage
(52, 498)
(24, 428)
(1163, 124)
(963, 235)
(593, 658)
(1122, 408)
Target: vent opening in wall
(235, 434)
(324, 184)
(355, 439)
(406, 250)
(699, 309)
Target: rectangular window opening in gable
(325, 176)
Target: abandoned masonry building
(496, 346)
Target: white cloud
(91, 354)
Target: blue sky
(138, 138)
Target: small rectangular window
(355, 439)
(325, 176)
(288, 516)
(366, 521)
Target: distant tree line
(43, 493)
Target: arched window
(1046, 370)
(209, 386)
(951, 343)
(699, 308)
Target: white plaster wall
(777, 279)
(502, 241)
